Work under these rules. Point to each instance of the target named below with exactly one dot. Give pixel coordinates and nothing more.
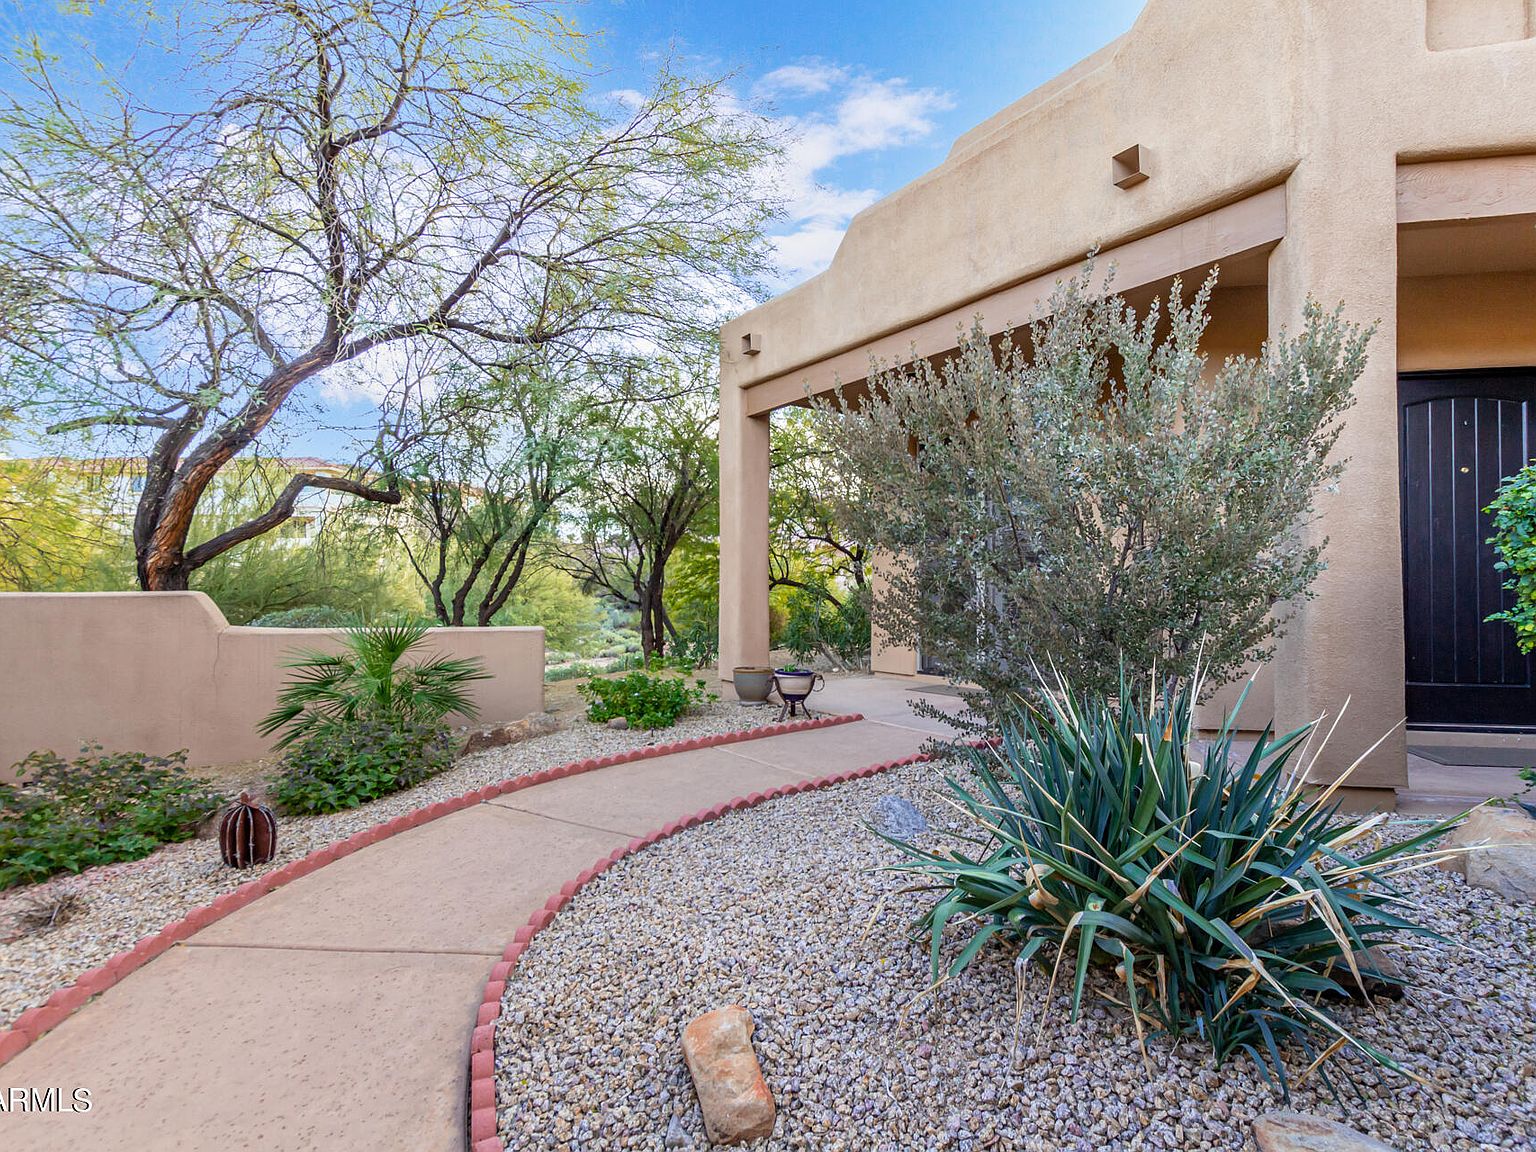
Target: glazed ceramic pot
(752, 684)
(797, 683)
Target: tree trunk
(174, 484)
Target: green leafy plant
(66, 816)
(837, 629)
(345, 763)
(1514, 537)
(644, 699)
(310, 616)
(1221, 892)
(367, 681)
(697, 645)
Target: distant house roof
(134, 464)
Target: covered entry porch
(1451, 286)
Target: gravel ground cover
(122, 903)
(776, 909)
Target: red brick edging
(483, 1136)
(35, 1022)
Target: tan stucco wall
(160, 671)
(1484, 320)
(1327, 99)
(887, 654)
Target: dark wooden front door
(1461, 433)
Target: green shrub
(1218, 889)
(350, 762)
(838, 629)
(1514, 536)
(366, 681)
(697, 645)
(584, 668)
(1095, 488)
(63, 816)
(309, 616)
(646, 701)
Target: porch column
(743, 532)
(1346, 644)
(886, 653)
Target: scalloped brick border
(36, 1022)
(483, 1136)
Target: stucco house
(1376, 152)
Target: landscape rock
(1300, 1132)
(1379, 973)
(898, 818)
(676, 1137)
(500, 735)
(619, 723)
(733, 1095)
(1501, 854)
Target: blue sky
(876, 91)
(871, 93)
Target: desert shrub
(66, 816)
(1514, 536)
(1224, 896)
(1092, 491)
(838, 629)
(348, 565)
(644, 699)
(345, 763)
(310, 616)
(697, 645)
(367, 681)
(550, 599)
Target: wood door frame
(1501, 383)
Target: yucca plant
(1220, 889)
(367, 681)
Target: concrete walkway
(334, 1013)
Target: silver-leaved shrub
(1093, 493)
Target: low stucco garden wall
(160, 671)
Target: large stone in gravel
(1299, 1132)
(733, 1095)
(531, 725)
(898, 818)
(1501, 854)
(1380, 975)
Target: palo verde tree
(366, 175)
(657, 483)
(481, 491)
(1095, 493)
(809, 549)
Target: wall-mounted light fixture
(1128, 168)
(751, 343)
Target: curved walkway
(332, 1013)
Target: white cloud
(863, 115)
(808, 79)
(628, 98)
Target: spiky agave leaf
(1223, 891)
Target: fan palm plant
(367, 681)
(1221, 890)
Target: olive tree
(1093, 492)
(364, 176)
